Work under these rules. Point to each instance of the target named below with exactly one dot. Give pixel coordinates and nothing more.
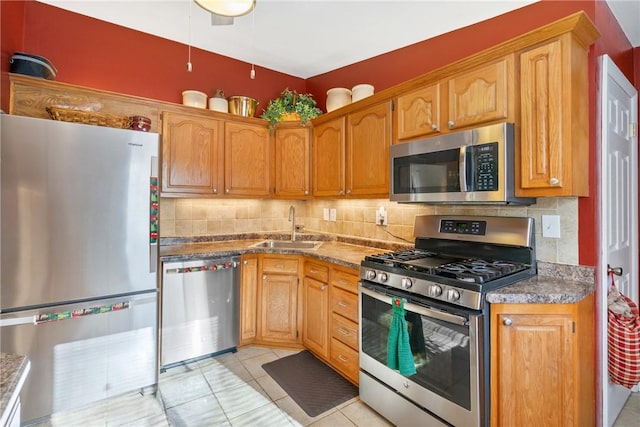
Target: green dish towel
(398, 348)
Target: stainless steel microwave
(473, 166)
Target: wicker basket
(88, 117)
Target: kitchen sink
(288, 244)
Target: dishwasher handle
(206, 265)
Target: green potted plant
(291, 105)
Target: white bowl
(338, 97)
(361, 91)
(194, 98)
(219, 104)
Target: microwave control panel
(485, 167)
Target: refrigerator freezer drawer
(200, 308)
(83, 353)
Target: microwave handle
(462, 171)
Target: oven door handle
(429, 312)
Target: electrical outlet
(381, 216)
(325, 214)
(332, 215)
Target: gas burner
(478, 270)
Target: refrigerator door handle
(18, 321)
(153, 216)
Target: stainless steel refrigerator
(78, 290)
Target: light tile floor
(228, 390)
(630, 415)
(234, 390)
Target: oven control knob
(406, 283)
(435, 290)
(382, 277)
(370, 274)
(453, 295)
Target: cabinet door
(292, 161)
(534, 373)
(328, 158)
(248, 299)
(315, 335)
(367, 154)
(191, 154)
(554, 141)
(418, 113)
(482, 95)
(278, 318)
(247, 160)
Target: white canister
(219, 104)
(361, 91)
(338, 97)
(194, 98)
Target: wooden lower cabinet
(278, 299)
(315, 331)
(248, 298)
(543, 364)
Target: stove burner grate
(478, 270)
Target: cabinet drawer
(345, 304)
(317, 271)
(345, 359)
(280, 265)
(342, 279)
(344, 330)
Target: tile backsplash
(356, 218)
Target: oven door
(447, 352)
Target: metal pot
(242, 106)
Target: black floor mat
(314, 386)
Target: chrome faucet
(292, 218)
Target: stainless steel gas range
(442, 283)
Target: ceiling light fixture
(229, 8)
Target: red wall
(11, 40)
(100, 55)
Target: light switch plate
(551, 226)
(325, 214)
(332, 214)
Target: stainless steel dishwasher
(200, 308)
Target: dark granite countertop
(341, 251)
(554, 284)
(13, 373)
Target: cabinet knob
(341, 192)
(226, 190)
(264, 277)
(245, 262)
(554, 181)
(349, 191)
(306, 192)
(323, 287)
(435, 126)
(451, 124)
(507, 322)
(215, 191)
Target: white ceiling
(304, 38)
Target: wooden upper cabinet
(478, 96)
(292, 161)
(482, 95)
(329, 158)
(554, 126)
(191, 154)
(418, 113)
(367, 154)
(247, 160)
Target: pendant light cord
(189, 66)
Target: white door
(618, 211)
